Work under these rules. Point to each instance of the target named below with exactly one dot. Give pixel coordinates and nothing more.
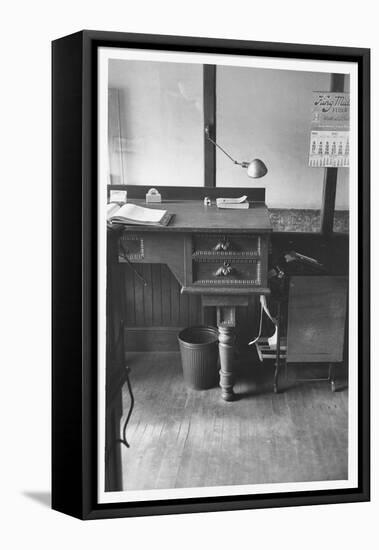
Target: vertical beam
(209, 89)
(328, 200)
(337, 83)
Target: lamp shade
(256, 169)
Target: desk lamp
(255, 169)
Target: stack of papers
(238, 203)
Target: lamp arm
(243, 164)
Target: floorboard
(185, 438)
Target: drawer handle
(225, 270)
(222, 246)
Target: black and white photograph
(228, 283)
(188, 236)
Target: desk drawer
(227, 272)
(226, 246)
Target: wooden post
(337, 83)
(209, 83)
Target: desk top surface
(193, 216)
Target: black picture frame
(74, 271)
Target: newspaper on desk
(233, 203)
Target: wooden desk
(219, 254)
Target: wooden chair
(315, 333)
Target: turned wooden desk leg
(226, 324)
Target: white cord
(263, 304)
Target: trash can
(199, 353)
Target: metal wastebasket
(199, 353)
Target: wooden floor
(185, 438)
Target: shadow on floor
(42, 497)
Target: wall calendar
(329, 140)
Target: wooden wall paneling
(165, 295)
(174, 301)
(194, 313)
(209, 316)
(151, 338)
(156, 290)
(129, 294)
(184, 307)
(139, 299)
(147, 294)
(160, 302)
(247, 319)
